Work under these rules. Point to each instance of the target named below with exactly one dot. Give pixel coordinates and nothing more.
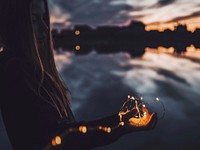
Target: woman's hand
(135, 120)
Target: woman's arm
(31, 126)
(85, 135)
(91, 134)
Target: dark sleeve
(94, 137)
(23, 118)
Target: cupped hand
(133, 120)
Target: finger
(144, 109)
(153, 121)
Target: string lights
(133, 104)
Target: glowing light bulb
(121, 123)
(77, 32)
(109, 130)
(1, 49)
(53, 142)
(77, 47)
(132, 98)
(83, 129)
(56, 141)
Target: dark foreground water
(99, 83)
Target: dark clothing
(31, 122)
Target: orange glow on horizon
(191, 51)
(192, 48)
(161, 27)
(161, 49)
(192, 24)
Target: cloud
(93, 12)
(167, 13)
(105, 15)
(195, 14)
(165, 2)
(115, 12)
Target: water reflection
(135, 51)
(190, 52)
(102, 81)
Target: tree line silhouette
(132, 38)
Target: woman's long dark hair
(19, 39)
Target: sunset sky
(66, 13)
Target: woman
(33, 99)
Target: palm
(134, 121)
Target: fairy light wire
(138, 103)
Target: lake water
(99, 83)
